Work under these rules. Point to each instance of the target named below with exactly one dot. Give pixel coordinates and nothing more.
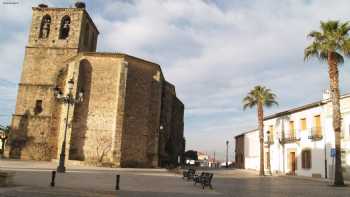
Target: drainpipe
(325, 160)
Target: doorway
(292, 162)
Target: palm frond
(345, 48)
(311, 51)
(329, 26)
(338, 58)
(259, 94)
(315, 34)
(333, 37)
(344, 28)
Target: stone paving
(98, 182)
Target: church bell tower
(56, 34)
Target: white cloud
(213, 51)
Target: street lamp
(227, 154)
(68, 99)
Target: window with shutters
(303, 125)
(317, 125)
(271, 132)
(291, 129)
(306, 159)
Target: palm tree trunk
(261, 137)
(335, 96)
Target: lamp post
(160, 153)
(68, 99)
(227, 154)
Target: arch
(45, 26)
(65, 27)
(77, 149)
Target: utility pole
(227, 154)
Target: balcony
(289, 138)
(316, 134)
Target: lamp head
(81, 95)
(57, 92)
(70, 84)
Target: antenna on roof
(326, 94)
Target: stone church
(129, 115)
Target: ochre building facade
(130, 115)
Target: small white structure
(203, 159)
(300, 141)
(251, 150)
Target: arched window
(45, 27)
(65, 26)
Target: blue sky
(213, 51)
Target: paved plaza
(96, 182)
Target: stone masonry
(129, 117)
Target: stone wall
(142, 114)
(166, 122)
(177, 144)
(171, 143)
(94, 120)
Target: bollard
(53, 179)
(117, 182)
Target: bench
(204, 179)
(198, 178)
(189, 174)
(6, 178)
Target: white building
(300, 140)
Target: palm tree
(331, 44)
(260, 96)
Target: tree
(191, 154)
(260, 96)
(330, 45)
(4, 133)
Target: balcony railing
(290, 137)
(316, 134)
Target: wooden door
(292, 163)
